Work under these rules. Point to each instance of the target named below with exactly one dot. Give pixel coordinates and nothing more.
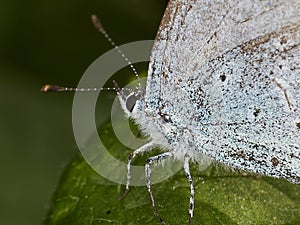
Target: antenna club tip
(50, 87)
(96, 22)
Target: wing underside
(229, 71)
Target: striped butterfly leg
(149, 161)
(142, 149)
(192, 190)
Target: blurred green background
(51, 42)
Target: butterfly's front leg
(192, 191)
(144, 148)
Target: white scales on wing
(224, 82)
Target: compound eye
(130, 102)
(166, 118)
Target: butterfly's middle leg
(192, 191)
(149, 161)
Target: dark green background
(50, 42)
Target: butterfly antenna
(100, 28)
(56, 88)
(50, 87)
(119, 90)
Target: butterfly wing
(194, 32)
(257, 125)
(229, 71)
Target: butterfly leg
(192, 191)
(140, 150)
(148, 181)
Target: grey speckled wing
(227, 74)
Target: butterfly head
(130, 99)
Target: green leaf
(221, 196)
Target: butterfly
(223, 84)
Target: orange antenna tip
(96, 22)
(50, 87)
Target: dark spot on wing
(223, 78)
(283, 40)
(274, 161)
(256, 112)
(298, 125)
